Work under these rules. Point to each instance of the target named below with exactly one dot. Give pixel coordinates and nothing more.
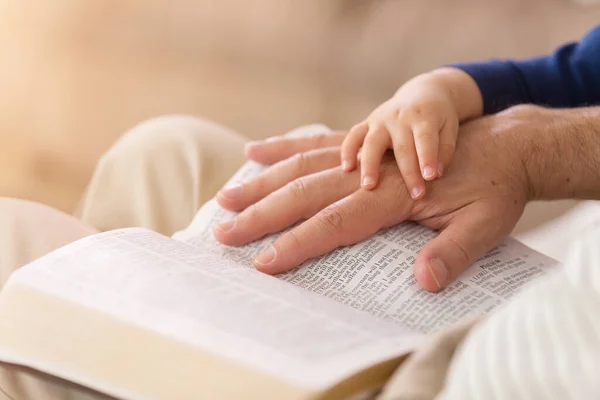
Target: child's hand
(420, 123)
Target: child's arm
(570, 77)
(420, 123)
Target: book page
(376, 275)
(200, 299)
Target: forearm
(464, 91)
(562, 158)
(570, 77)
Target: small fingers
(406, 157)
(352, 144)
(447, 144)
(376, 143)
(426, 144)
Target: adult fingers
(279, 148)
(376, 143)
(426, 142)
(344, 222)
(352, 144)
(406, 158)
(240, 196)
(467, 237)
(298, 200)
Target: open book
(137, 315)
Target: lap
(160, 173)
(156, 176)
(30, 230)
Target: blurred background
(75, 74)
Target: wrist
(559, 150)
(462, 90)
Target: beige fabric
(160, 173)
(422, 375)
(156, 176)
(28, 231)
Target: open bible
(138, 315)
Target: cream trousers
(157, 176)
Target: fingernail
(428, 172)
(346, 166)
(231, 193)
(368, 181)
(440, 168)
(267, 256)
(438, 272)
(416, 192)
(226, 226)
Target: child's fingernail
(368, 181)
(440, 168)
(428, 172)
(416, 192)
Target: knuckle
(375, 136)
(356, 129)
(331, 218)
(461, 250)
(410, 113)
(253, 212)
(291, 238)
(425, 135)
(403, 149)
(300, 162)
(389, 114)
(297, 188)
(319, 140)
(401, 114)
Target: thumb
(467, 237)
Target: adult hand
(475, 205)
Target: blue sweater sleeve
(570, 77)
